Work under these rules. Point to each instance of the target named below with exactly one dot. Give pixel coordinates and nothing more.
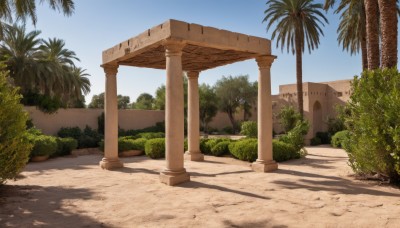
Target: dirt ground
(316, 191)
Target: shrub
(151, 135)
(340, 139)
(34, 131)
(245, 150)
(295, 137)
(155, 148)
(14, 145)
(70, 132)
(324, 136)
(43, 145)
(249, 129)
(220, 148)
(65, 146)
(374, 123)
(316, 141)
(131, 144)
(283, 151)
(288, 118)
(159, 127)
(100, 123)
(203, 146)
(209, 144)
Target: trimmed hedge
(324, 136)
(283, 151)
(155, 148)
(65, 146)
(43, 145)
(125, 144)
(151, 135)
(220, 148)
(245, 150)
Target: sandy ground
(313, 192)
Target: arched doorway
(317, 117)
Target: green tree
(144, 101)
(233, 93)
(159, 100)
(21, 10)
(98, 101)
(208, 102)
(14, 145)
(298, 23)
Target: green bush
(34, 131)
(220, 148)
(159, 127)
(203, 146)
(288, 118)
(283, 151)
(151, 135)
(249, 129)
(65, 146)
(245, 150)
(206, 145)
(324, 136)
(43, 145)
(295, 137)
(340, 139)
(228, 130)
(70, 132)
(155, 148)
(14, 145)
(131, 144)
(374, 123)
(316, 141)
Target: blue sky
(100, 24)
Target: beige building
(320, 101)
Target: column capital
(265, 61)
(110, 69)
(193, 74)
(173, 47)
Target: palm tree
(351, 31)
(20, 52)
(21, 10)
(388, 21)
(298, 23)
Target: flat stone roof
(206, 47)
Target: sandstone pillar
(110, 159)
(174, 173)
(265, 162)
(193, 153)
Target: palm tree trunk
(299, 74)
(388, 21)
(372, 22)
(364, 53)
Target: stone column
(110, 159)
(174, 173)
(265, 162)
(193, 153)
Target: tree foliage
(208, 105)
(14, 145)
(43, 68)
(288, 118)
(374, 124)
(98, 101)
(144, 101)
(234, 93)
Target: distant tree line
(229, 95)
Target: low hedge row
(45, 145)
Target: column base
(194, 156)
(109, 164)
(264, 166)
(174, 178)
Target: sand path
(312, 192)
